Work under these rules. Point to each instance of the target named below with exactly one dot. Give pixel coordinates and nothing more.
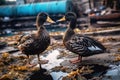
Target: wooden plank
(109, 17)
(105, 32)
(99, 33)
(9, 50)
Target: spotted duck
(77, 43)
(35, 44)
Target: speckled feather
(81, 44)
(34, 43)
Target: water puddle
(58, 75)
(113, 73)
(53, 62)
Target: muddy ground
(12, 62)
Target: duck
(80, 44)
(36, 43)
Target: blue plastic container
(53, 7)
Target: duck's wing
(23, 38)
(25, 41)
(94, 43)
(75, 44)
(81, 44)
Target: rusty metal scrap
(109, 17)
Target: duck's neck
(39, 25)
(40, 29)
(68, 34)
(73, 22)
(70, 30)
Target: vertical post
(93, 3)
(115, 5)
(89, 4)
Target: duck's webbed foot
(76, 60)
(30, 65)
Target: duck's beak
(62, 19)
(49, 20)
